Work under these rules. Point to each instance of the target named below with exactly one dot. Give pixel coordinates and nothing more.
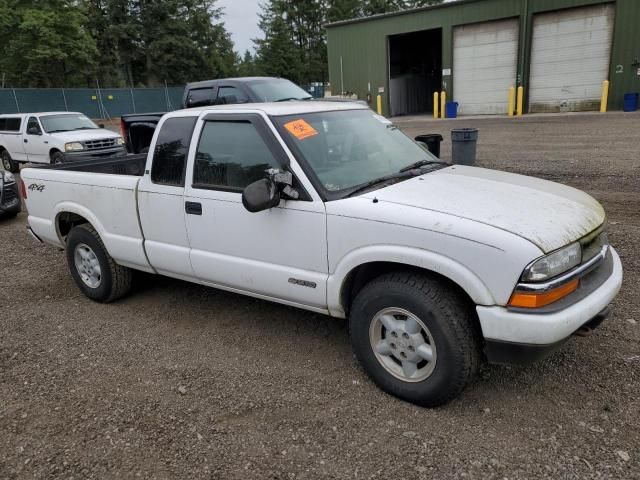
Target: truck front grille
(98, 144)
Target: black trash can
(432, 140)
(463, 145)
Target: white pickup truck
(330, 208)
(48, 137)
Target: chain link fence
(104, 103)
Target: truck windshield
(66, 122)
(348, 149)
(278, 90)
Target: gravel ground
(181, 381)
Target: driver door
(36, 144)
(280, 253)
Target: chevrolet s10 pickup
(330, 208)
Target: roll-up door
(484, 66)
(570, 54)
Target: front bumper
(505, 330)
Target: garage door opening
(415, 71)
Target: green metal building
(559, 51)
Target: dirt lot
(180, 381)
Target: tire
(85, 250)
(8, 163)
(433, 315)
(57, 157)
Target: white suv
(48, 137)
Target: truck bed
(125, 165)
(103, 192)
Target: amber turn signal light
(540, 299)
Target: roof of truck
(38, 114)
(281, 108)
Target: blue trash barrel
(631, 102)
(451, 109)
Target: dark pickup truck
(137, 129)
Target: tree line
(137, 43)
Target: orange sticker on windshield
(301, 129)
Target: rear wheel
(8, 163)
(97, 275)
(415, 337)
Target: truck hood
(548, 214)
(84, 135)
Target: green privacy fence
(104, 103)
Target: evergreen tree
(277, 54)
(247, 66)
(45, 44)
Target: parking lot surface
(182, 381)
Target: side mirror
(33, 131)
(261, 195)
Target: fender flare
(415, 257)
(71, 207)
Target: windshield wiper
(85, 128)
(386, 178)
(288, 99)
(56, 131)
(421, 163)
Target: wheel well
(361, 275)
(66, 221)
(52, 151)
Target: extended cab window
(231, 95)
(230, 156)
(172, 148)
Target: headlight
(9, 178)
(73, 146)
(120, 141)
(553, 264)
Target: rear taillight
(123, 129)
(23, 190)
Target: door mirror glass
(261, 195)
(34, 131)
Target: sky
(241, 20)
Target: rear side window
(10, 124)
(199, 97)
(230, 156)
(172, 148)
(231, 95)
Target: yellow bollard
(605, 96)
(520, 100)
(379, 104)
(435, 104)
(512, 99)
(443, 102)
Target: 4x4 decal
(36, 187)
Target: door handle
(193, 208)
(26, 141)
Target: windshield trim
(325, 194)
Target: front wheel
(97, 275)
(8, 163)
(415, 337)
(57, 158)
